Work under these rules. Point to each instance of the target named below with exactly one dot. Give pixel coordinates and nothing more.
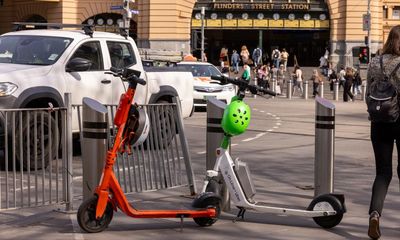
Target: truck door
(88, 81)
(121, 55)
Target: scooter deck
(162, 205)
(278, 205)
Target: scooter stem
(225, 141)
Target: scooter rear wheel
(87, 216)
(331, 203)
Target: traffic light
(363, 55)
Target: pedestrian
(349, 79)
(244, 54)
(235, 59)
(341, 78)
(284, 58)
(357, 83)
(262, 76)
(316, 79)
(384, 135)
(298, 80)
(332, 76)
(246, 72)
(257, 56)
(281, 77)
(276, 54)
(224, 59)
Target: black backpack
(382, 100)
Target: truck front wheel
(39, 135)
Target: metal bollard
(255, 83)
(273, 84)
(336, 91)
(363, 91)
(215, 134)
(324, 146)
(94, 143)
(305, 89)
(289, 89)
(321, 89)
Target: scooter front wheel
(327, 202)
(206, 200)
(87, 216)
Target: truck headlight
(228, 88)
(7, 88)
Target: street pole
(203, 12)
(127, 16)
(369, 30)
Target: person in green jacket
(246, 73)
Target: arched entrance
(301, 27)
(109, 22)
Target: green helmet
(236, 118)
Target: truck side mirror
(78, 65)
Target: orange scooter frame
(95, 214)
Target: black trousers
(347, 91)
(383, 137)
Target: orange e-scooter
(95, 214)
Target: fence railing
(33, 165)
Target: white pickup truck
(38, 66)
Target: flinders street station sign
(261, 6)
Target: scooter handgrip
(115, 70)
(141, 81)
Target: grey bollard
(321, 89)
(215, 134)
(305, 89)
(255, 83)
(324, 146)
(363, 91)
(273, 84)
(94, 143)
(336, 91)
(289, 89)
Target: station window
(396, 12)
(385, 12)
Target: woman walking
(384, 134)
(349, 77)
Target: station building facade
(304, 27)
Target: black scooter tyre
(334, 204)
(87, 216)
(207, 199)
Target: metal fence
(163, 160)
(33, 157)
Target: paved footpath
(279, 148)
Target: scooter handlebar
(239, 82)
(127, 74)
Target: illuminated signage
(262, 6)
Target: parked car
(38, 66)
(203, 86)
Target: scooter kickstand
(240, 214)
(181, 223)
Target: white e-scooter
(327, 210)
